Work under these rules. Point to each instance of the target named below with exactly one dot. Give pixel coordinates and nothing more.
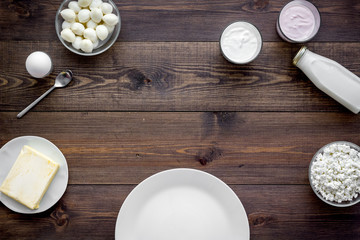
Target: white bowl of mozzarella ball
(88, 27)
(334, 174)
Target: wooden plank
(180, 20)
(170, 76)
(240, 147)
(281, 212)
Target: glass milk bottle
(331, 78)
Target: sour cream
(240, 42)
(298, 21)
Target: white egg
(68, 35)
(38, 64)
(106, 8)
(68, 15)
(90, 33)
(77, 42)
(96, 15)
(66, 24)
(111, 19)
(84, 3)
(91, 24)
(73, 5)
(110, 28)
(77, 28)
(86, 45)
(95, 4)
(102, 32)
(84, 15)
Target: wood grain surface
(274, 212)
(163, 97)
(183, 76)
(181, 20)
(238, 147)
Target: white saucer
(182, 204)
(8, 155)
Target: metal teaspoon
(61, 80)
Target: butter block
(29, 177)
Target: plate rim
(66, 181)
(138, 187)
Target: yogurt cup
(298, 21)
(240, 42)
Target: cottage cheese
(335, 173)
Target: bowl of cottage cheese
(334, 174)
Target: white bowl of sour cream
(240, 42)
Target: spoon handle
(23, 112)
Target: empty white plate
(182, 204)
(8, 155)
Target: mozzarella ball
(90, 33)
(96, 15)
(68, 35)
(95, 4)
(91, 24)
(96, 44)
(110, 28)
(73, 5)
(106, 8)
(77, 42)
(68, 15)
(111, 19)
(102, 32)
(86, 45)
(84, 3)
(84, 15)
(77, 28)
(66, 24)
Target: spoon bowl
(63, 79)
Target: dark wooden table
(164, 97)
